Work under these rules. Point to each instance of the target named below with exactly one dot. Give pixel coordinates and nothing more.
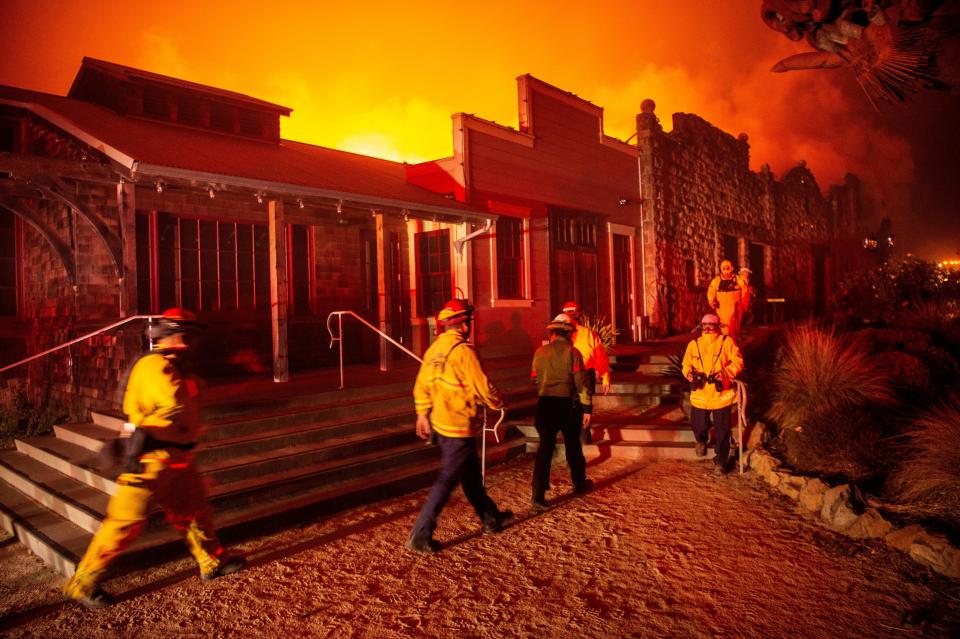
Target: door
(622, 298)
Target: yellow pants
(170, 481)
(730, 315)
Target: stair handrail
(80, 339)
(741, 418)
(496, 436)
(384, 336)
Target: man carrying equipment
(450, 385)
(588, 342)
(161, 402)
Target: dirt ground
(656, 550)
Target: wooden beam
(127, 206)
(277, 230)
(37, 167)
(62, 249)
(383, 292)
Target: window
(509, 260)
(8, 264)
(690, 273)
(731, 250)
(11, 135)
(434, 281)
(573, 259)
(298, 270)
(202, 265)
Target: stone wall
(698, 188)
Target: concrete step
(60, 542)
(650, 451)
(616, 402)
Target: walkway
(657, 550)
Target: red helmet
(454, 312)
(173, 321)
(571, 308)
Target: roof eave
(155, 171)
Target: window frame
(17, 260)
(523, 299)
(254, 301)
(419, 275)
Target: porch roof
(150, 149)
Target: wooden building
(137, 192)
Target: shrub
(21, 416)
(927, 482)
(899, 287)
(603, 328)
(825, 394)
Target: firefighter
(450, 385)
(563, 406)
(161, 405)
(588, 342)
(711, 363)
(728, 296)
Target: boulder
(755, 433)
(937, 553)
(765, 464)
(837, 510)
(869, 525)
(791, 485)
(773, 478)
(811, 495)
(903, 538)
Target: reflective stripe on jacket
(450, 384)
(594, 354)
(162, 402)
(558, 371)
(721, 356)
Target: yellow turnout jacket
(594, 354)
(450, 384)
(719, 355)
(162, 402)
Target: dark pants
(557, 415)
(701, 418)
(459, 463)
(586, 435)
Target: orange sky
(383, 78)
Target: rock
(773, 478)
(902, 538)
(765, 464)
(869, 525)
(837, 510)
(791, 485)
(937, 553)
(811, 495)
(747, 454)
(755, 435)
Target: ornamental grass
(826, 398)
(927, 481)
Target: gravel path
(656, 550)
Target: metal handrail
(496, 436)
(384, 336)
(741, 418)
(79, 339)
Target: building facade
(137, 192)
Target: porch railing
(383, 336)
(82, 338)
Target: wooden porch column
(127, 207)
(277, 226)
(383, 292)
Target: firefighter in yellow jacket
(729, 296)
(449, 388)
(588, 342)
(161, 403)
(710, 364)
